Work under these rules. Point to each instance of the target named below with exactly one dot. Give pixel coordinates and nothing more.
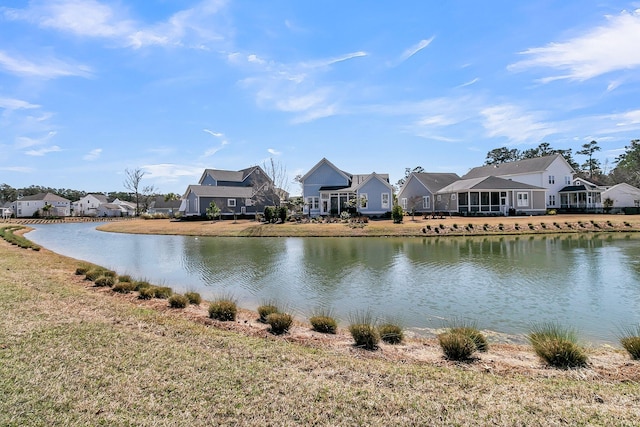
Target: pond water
(587, 281)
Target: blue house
(327, 190)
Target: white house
(89, 204)
(623, 196)
(44, 205)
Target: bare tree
(132, 183)
(278, 174)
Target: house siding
(323, 176)
(374, 189)
(413, 188)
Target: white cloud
(469, 83)
(604, 49)
(415, 49)
(21, 169)
(93, 154)
(516, 125)
(171, 172)
(628, 118)
(47, 68)
(210, 132)
(16, 104)
(25, 141)
(274, 152)
(43, 151)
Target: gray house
(417, 192)
(244, 192)
(491, 195)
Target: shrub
(279, 322)
(391, 333)
(224, 309)
(474, 335)
(141, 284)
(265, 310)
(105, 281)
(124, 278)
(364, 332)
(456, 345)
(93, 273)
(193, 297)
(397, 214)
(124, 287)
(557, 346)
(147, 292)
(323, 321)
(178, 301)
(162, 292)
(630, 341)
(81, 270)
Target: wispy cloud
(93, 154)
(273, 152)
(43, 151)
(25, 141)
(216, 134)
(20, 169)
(515, 124)
(604, 49)
(169, 172)
(48, 68)
(408, 53)
(213, 150)
(90, 18)
(16, 104)
(469, 83)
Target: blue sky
(89, 88)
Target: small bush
(630, 341)
(364, 332)
(162, 292)
(93, 273)
(81, 270)
(147, 292)
(557, 346)
(124, 278)
(279, 322)
(105, 281)
(391, 333)
(475, 335)
(397, 214)
(324, 322)
(124, 287)
(141, 284)
(178, 301)
(193, 297)
(224, 309)
(456, 345)
(265, 310)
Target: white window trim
(403, 203)
(231, 203)
(384, 200)
(522, 199)
(364, 200)
(426, 202)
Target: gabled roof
(526, 166)
(434, 181)
(219, 191)
(223, 175)
(487, 183)
(160, 203)
(384, 178)
(46, 197)
(101, 197)
(324, 161)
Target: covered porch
(335, 200)
(580, 197)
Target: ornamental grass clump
(124, 287)
(178, 301)
(124, 278)
(456, 345)
(193, 297)
(162, 292)
(223, 309)
(324, 322)
(266, 309)
(279, 323)
(391, 332)
(104, 281)
(630, 340)
(557, 346)
(147, 293)
(93, 273)
(81, 270)
(141, 284)
(363, 331)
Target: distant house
(327, 190)
(417, 192)
(552, 173)
(43, 204)
(7, 210)
(623, 196)
(158, 205)
(127, 208)
(491, 195)
(89, 204)
(244, 192)
(581, 195)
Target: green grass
(266, 309)
(363, 330)
(630, 340)
(279, 323)
(391, 332)
(224, 309)
(323, 321)
(557, 345)
(8, 234)
(178, 301)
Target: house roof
(224, 175)
(101, 197)
(219, 191)
(324, 160)
(434, 181)
(46, 197)
(363, 179)
(487, 183)
(160, 203)
(526, 166)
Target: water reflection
(504, 283)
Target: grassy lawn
(72, 354)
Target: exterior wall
(623, 195)
(324, 176)
(374, 189)
(446, 202)
(413, 188)
(27, 208)
(88, 205)
(208, 180)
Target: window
(403, 203)
(364, 200)
(453, 196)
(231, 203)
(426, 202)
(385, 200)
(249, 202)
(523, 199)
(439, 198)
(552, 200)
(567, 180)
(313, 202)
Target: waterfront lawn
(73, 354)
